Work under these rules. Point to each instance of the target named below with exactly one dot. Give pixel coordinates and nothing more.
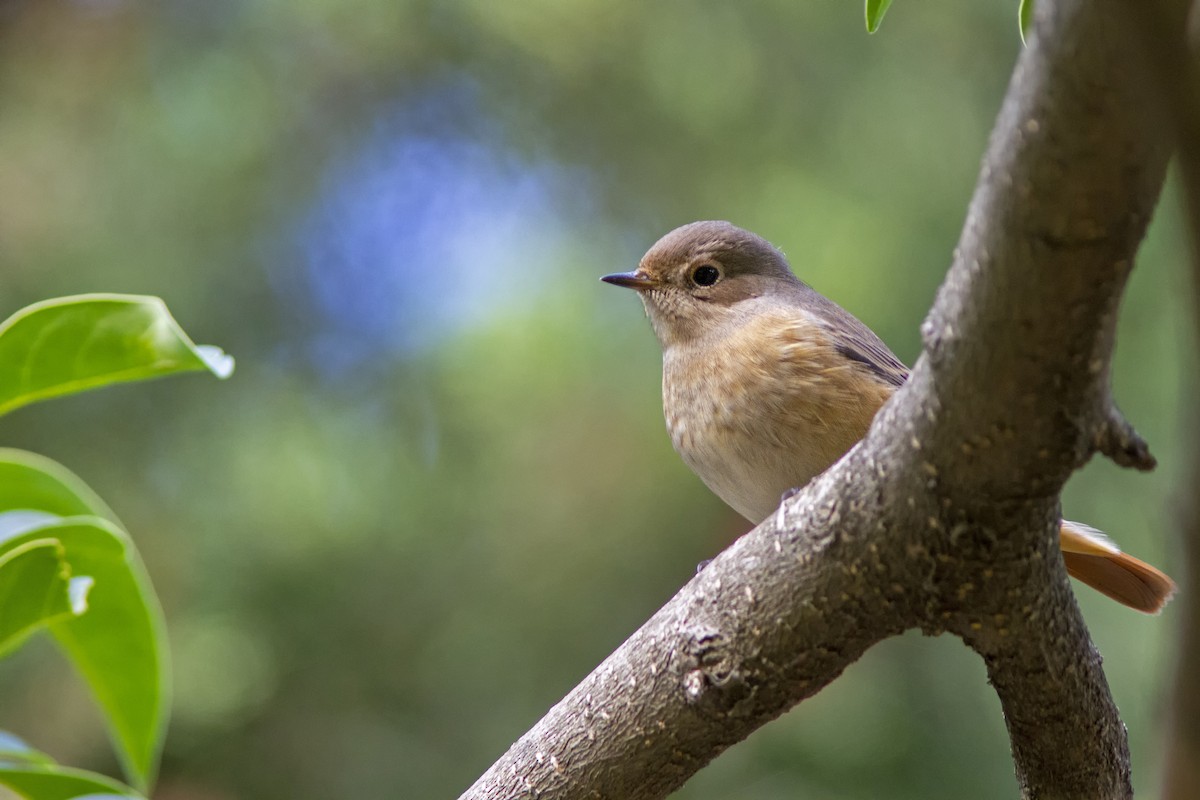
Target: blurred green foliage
(439, 491)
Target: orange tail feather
(1096, 560)
(1123, 578)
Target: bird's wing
(857, 342)
(817, 333)
(873, 355)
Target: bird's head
(704, 275)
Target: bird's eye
(705, 275)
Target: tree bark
(945, 517)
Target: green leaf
(52, 782)
(1025, 17)
(129, 680)
(119, 645)
(875, 11)
(71, 344)
(34, 589)
(15, 749)
(34, 482)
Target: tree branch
(946, 516)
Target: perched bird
(766, 383)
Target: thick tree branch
(945, 517)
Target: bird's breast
(753, 422)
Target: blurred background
(438, 490)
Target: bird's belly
(747, 449)
(750, 483)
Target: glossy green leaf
(14, 749)
(875, 11)
(33, 482)
(119, 645)
(71, 344)
(52, 782)
(1025, 18)
(34, 589)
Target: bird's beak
(630, 280)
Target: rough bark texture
(945, 517)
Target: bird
(767, 383)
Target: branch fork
(945, 516)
